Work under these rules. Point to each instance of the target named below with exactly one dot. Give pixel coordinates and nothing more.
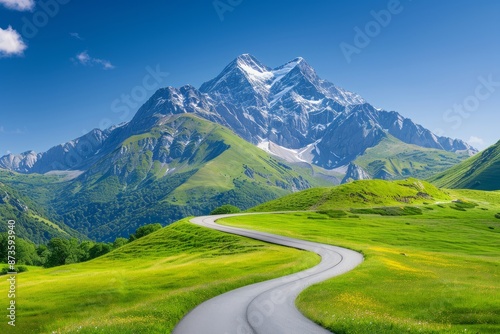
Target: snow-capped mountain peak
(289, 105)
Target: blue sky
(67, 66)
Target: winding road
(267, 307)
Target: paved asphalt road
(267, 307)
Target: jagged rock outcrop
(354, 172)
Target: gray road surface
(267, 307)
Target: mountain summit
(288, 108)
(292, 107)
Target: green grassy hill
(393, 159)
(358, 194)
(480, 172)
(146, 286)
(430, 267)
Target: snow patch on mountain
(289, 111)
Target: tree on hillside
(119, 242)
(144, 230)
(26, 252)
(99, 249)
(84, 250)
(62, 251)
(43, 252)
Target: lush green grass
(358, 194)
(394, 159)
(437, 272)
(479, 172)
(146, 286)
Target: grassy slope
(148, 285)
(479, 172)
(394, 159)
(432, 273)
(32, 219)
(357, 194)
(232, 168)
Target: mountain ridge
(289, 105)
(479, 172)
(185, 166)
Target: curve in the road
(266, 307)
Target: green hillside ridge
(358, 194)
(146, 286)
(479, 172)
(32, 220)
(186, 166)
(432, 272)
(394, 159)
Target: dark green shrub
(17, 269)
(390, 211)
(22, 269)
(333, 213)
(144, 230)
(119, 242)
(463, 205)
(225, 209)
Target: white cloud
(76, 35)
(11, 43)
(475, 141)
(20, 5)
(85, 59)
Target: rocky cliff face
(354, 172)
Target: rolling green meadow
(432, 269)
(146, 286)
(432, 265)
